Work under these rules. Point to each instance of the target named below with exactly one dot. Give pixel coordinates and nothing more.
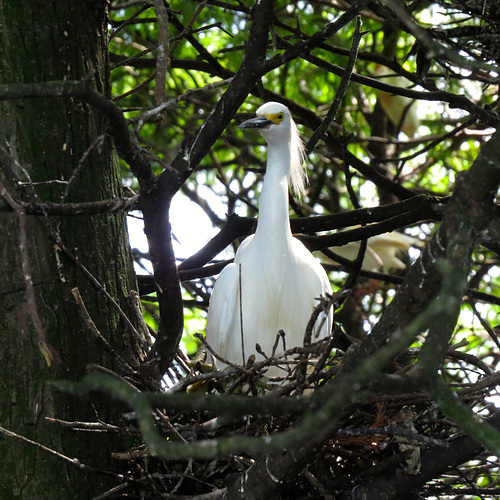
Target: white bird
(274, 282)
(381, 251)
(401, 110)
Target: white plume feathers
(298, 174)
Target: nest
(396, 437)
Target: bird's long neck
(274, 223)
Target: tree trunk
(44, 140)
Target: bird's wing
(315, 281)
(307, 259)
(223, 306)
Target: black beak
(258, 122)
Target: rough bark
(42, 41)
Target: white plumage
(401, 110)
(277, 278)
(381, 251)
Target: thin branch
(132, 18)
(84, 314)
(74, 462)
(96, 143)
(485, 324)
(152, 114)
(188, 29)
(339, 95)
(393, 431)
(78, 209)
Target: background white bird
(274, 282)
(382, 251)
(401, 110)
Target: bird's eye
(280, 116)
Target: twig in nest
(201, 338)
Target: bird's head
(273, 121)
(276, 125)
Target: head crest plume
(298, 174)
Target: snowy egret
(381, 251)
(274, 282)
(401, 110)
